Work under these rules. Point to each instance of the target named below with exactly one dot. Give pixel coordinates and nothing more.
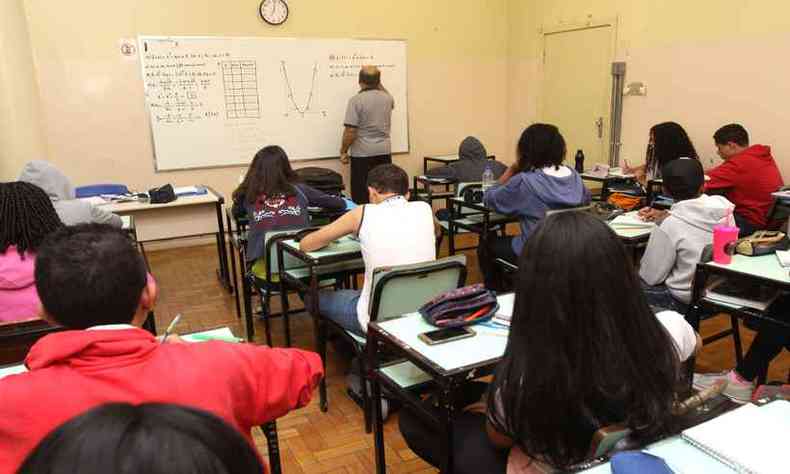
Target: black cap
(683, 178)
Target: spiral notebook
(749, 439)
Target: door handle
(599, 124)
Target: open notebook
(751, 439)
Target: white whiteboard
(216, 101)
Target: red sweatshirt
(73, 371)
(752, 176)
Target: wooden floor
(311, 441)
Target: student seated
(391, 231)
(536, 183)
(676, 244)
(274, 199)
(766, 346)
(668, 142)
(26, 218)
(153, 438)
(94, 282)
(584, 351)
(472, 161)
(748, 176)
(70, 210)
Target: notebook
(505, 311)
(631, 219)
(749, 439)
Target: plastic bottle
(579, 161)
(488, 178)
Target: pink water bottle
(723, 235)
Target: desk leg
(375, 389)
(451, 230)
(246, 292)
(445, 406)
(320, 334)
(284, 298)
(223, 274)
(150, 323)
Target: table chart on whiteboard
(215, 101)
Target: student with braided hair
(26, 217)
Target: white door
(576, 90)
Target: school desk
(340, 258)
(442, 367)
(473, 217)
(187, 216)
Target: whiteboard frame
(141, 38)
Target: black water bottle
(579, 161)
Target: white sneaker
(737, 390)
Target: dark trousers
(473, 453)
(660, 299)
(360, 167)
(745, 228)
(768, 343)
(488, 251)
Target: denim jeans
(659, 298)
(340, 306)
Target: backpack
(322, 179)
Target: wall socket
(635, 88)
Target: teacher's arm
(349, 135)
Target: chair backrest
(583, 207)
(17, 337)
(403, 289)
(270, 245)
(459, 192)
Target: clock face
(273, 12)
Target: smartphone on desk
(441, 336)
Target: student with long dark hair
(27, 216)
(274, 199)
(584, 351)
(153, 438)
(668, 142)
(536, 183)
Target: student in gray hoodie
(676, 244)
(472, 161)
(70, 210)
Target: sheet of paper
(14, 369)
(631, 219)
(220, 334)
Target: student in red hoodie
(91, 280)
(749, 175)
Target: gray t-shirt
(370, 112)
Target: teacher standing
(366, 137)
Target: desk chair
(467, 217)
(16, 338)
(396, 291)
(270, 286)
(780, 211)
(702, 308)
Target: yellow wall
(94, 117)
(473, 69)
(705, 63)
(20, 120)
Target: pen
(171, 326)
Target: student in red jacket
(92, 281)
(749, 175)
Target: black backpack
(322, 179)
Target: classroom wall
(20, 118)
(705, 63)
(94, 120)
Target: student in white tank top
(391, 230)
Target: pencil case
(460, 307)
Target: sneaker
(737, 390)
(354, 391)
